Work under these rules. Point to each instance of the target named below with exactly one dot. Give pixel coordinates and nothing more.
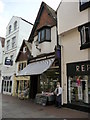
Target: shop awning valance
(37, 68)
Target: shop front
(7, 85)
(21, 86)
(78, 75)
(46, 86)
(44, 72)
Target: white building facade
(17, 30)
(74, 37)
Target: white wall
(69, 16)
(1, 53)
(22, 32)
(46, 47)
(71, 52)
(11, 22)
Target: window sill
(44, 41)
(85, 46)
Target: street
(12, 107)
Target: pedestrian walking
(58, 92)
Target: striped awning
(37, 68)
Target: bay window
(44, 35)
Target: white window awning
(37, 68)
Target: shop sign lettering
(78, 68)
(82, 68)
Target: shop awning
(37, 68)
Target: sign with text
(79, 68)
(8, 62)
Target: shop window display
(48, 83)
(79, 89)
(7, 86)
(22, 89)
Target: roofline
(2, 37)
(59, 5)
(26, 21)
(19, 50)
(43, 4)
(21, 19)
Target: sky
(26, 9)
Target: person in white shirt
(58, 92)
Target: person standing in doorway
(58, 92)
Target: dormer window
(44, 34)
(84, 4)
(10, 27)
(25, 49)
(85, 36)
(15, 25)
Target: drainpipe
(58, 50)
(61, 60)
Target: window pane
(42, 35)
(13, 42)
(15, 25)
(8, 44)
(4, 85)
(83, 35)
(24, 65)
(7, 86)
(39, 37)
(48, 34)
(87, 34)
(10, 87)
(10, 29)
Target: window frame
(15, 25)
(85, 38)
(25, 49)
(10, 28)
(40, 39)
(8, 44)
(22, 65)
(14, 42)
(84, 6)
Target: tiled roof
(51, 12)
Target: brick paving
(13, 107)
